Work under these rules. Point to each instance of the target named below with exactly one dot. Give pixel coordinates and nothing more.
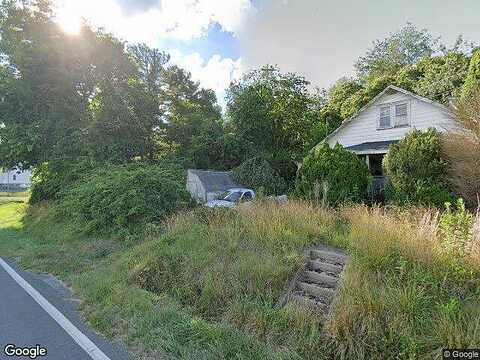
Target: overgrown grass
(9, 197)
(205, 285)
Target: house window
(14, 177)
(401, 114)
(384, 122)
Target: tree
(274, 114)
(68, 98)
(442, 76)
(404, 47)
(473, 77)
(192, 116)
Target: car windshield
(233, 196)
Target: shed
(206, 185)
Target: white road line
(84, 342)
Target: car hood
(220, 203)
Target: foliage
(457, 228)
(124, 197)
(404, 47)
(332, 176)
(416, 171)
(473, 77)
(442, 76)
(69, 97)
(257, 173)
(273, 114)
(49, 180)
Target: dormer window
(393, 115)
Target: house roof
(216, 180)
(372, 146)
(390, 88)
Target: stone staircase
(315, 285)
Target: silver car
(232, 197)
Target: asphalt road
(38, 310)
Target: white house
(385, 120)
(15, 179)
(206, 185)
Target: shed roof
(372, 146)
(215, 180)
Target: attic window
(384, 122)
(401, 114)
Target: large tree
(69, 97)
(274, 114)
(404, 47)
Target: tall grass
(462, 149)
(206, 283)
(404, 295)
(233, 267)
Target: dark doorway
(375, 161)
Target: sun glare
(70, 22)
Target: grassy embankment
(204, 285)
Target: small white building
(385, 120)
(15, 179)
(205, 185)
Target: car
(232, 197)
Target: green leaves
(416, 170)
(332, 176)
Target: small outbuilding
(206, 185)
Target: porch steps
(316, 284)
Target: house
(15, 180)
(385, 120)
(206, 185)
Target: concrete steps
(315, 285)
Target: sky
(219, 40)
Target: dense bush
(119, 198)
(416, 171)
(333, 175)
(50, 179)
(258, 174)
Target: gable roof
(389, 88)
(215, 180)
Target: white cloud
(179, 19)
(215, 74)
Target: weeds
(205, 283)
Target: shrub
(416, 171)
(119, 198)
(457, 228)
(473, 77)
(258, 174)
(333, 175)
(49, 179)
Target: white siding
(195, 188)
(363, 128)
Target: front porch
(373, 153)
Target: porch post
(367, 160)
